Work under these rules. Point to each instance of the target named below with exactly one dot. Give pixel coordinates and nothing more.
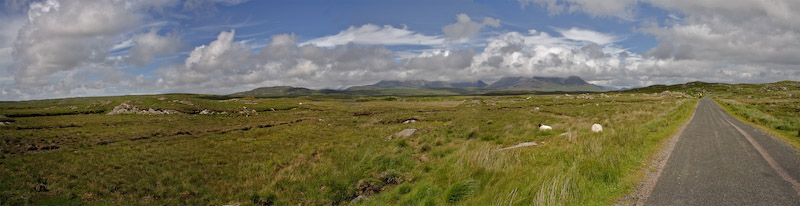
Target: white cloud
(743, 32)
(224, 66)
(374, 34)
(465, 28)
(63, 48)
(63, 36)
(149, 45)
(588, 35)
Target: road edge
(763, 128)
(656, 166)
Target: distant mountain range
(546, 84)
(419, 84)
(423, 87)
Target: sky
(67, 48)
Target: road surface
(719, 160)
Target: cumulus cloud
(149, 45)
(465, 28)
(64, 36)
(224, 66)
(740, 32)
(64, 48)
(745, 41)
(374, 34)
(510, 55)
(748, 32)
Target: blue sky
(258, 20)
(53, 48)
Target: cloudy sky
(68, 48)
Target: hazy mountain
(423, 87)
(279, 91)
(477, 84)
(418, 84)
(572, 83)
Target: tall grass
(453, 158)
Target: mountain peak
(571, 83)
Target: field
(212, 150)
(774, 107)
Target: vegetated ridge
(424, 87)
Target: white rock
(404, 133)
(597, 128)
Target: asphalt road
(719, 160)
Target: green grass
(331, 150)
(772, 107)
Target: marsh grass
(776, 111)
(339, 153)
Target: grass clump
(460, 190)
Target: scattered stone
(206, 111)
(162, 98)
(184, 102)
(524, 144)
(247, 111)
(409, 121)
(536, 108)
(597, 128)
(73, 107)
(404, 133)
(564, 134)
(126, 108)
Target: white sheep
(597, 128)
(545, 127)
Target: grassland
(773, 107)
(325, 151)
